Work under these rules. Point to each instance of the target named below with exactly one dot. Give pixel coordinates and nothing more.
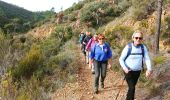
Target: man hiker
(81, 39)
(85, 41)
(131, 61)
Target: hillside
(11, 11)
(16, 20)
(13, 17)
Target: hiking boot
(102, 85)
(96, 91)
(93, 72)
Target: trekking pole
(120, 88)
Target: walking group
(98, 55)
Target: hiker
(101, 57)
(131, 60)
(81, 38)
(90, 44)
(85, 41)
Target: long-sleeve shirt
(90, 44)
(134, 62)
(101, 52)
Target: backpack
(87, 38)
(129, 52)
(82, 37)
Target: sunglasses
(140, 38)
(101, 38)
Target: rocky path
(83, 88)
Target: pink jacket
(90, 44)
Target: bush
(117, 34)
(50, 47)
(144, 24)
(158, 60)
(65, 65)
(28, 64)
(25, 90)
(72, 17)
(124, 5)
(165, 30)
(63, 33)
(166, 1)
(74, 7)
(90, 13)
(143, 8)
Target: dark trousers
(100, 68)
(131, 79)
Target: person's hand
(90, 65)
(148, 73)
(126, 70)
(109, 66)
(84, 43)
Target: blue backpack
(130, 49)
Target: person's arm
(109, 54)
(92, 55)
(148, 62)
(88, 45)
(85, 41)
(122, 59)
(109, 63)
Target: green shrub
(165, 30)
(116, 66)
(78, 6)
(2, 36)
(124, 5)
(65, 65)
(72, 17)
(28, 64)
(143, 78)
(63, 33)
(143, 8)
(158, 60)
(74, 7)
(89, 13)
(166, 2)
(50, 47)
(118, 33)
(144, 23)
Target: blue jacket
(101, 53)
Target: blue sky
(42, 5)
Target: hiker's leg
(97, 74)
(131, 80)
(83, 49)
(136, 75)
(103, 73)
(92, 68)
(87, 57)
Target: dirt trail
(83, 88)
